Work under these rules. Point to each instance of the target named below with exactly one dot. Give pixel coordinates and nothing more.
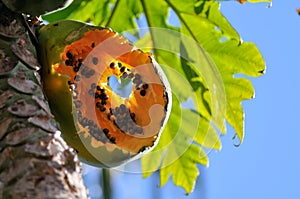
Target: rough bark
(34, 160)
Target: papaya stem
(106, 184)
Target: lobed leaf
(203, 22)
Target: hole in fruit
(122, 87)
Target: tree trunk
(34, 160)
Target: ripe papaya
(105, 128)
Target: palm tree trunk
(34, 160)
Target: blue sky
(267, 164)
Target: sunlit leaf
(124, 14)
(230, 55)
(203, 22)
(181, 155)
(92, 11)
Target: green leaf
(185, 126)
(232, 59)
(63, 13)
(181, 155)
(231, 56)
(83, 10)
(124, 14)
(184, 171)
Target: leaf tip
(240, 139)
(263, 71)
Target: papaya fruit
(106, 128)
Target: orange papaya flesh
(132, 124)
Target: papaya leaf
(83, 10)
(200, 73)
(232, 59)
(225, 53)
(181, 156)
(223, 44)
(206, 63)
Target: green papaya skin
(53, 40)
(56, 87)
